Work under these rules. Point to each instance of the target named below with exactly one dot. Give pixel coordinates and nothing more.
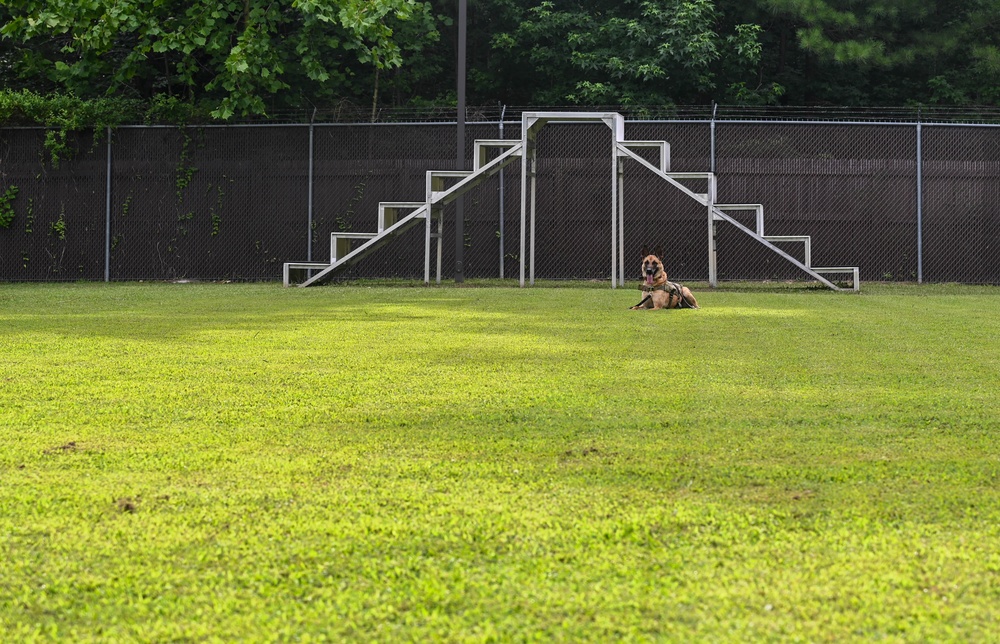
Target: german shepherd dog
(657, 291)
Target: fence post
(309, 223)
(920, 202)
(713, 271)
(503, 111)
(711, 161)
(107, 214)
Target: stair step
(853, 271)
(340, 243)
(436, 183)
(301, 266)
(483, 145)
(353, 235)
(805, 240)
(389, 212)
(662, 146)
(689, 175)
(756, 207)
(834, 269)
(703, 198)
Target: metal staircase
(718, 212)
(397, 217)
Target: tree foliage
(635, 52)
(898, 51)
(237, 54)
(252, 57)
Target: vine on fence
(215, 210)
(56, 251)
(57, 228)
(344, 222)
(29, 222)
(185, 171)
(181, 219)
(7, 206)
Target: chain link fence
(53, 217)
(961, 204)
(207, 203)
(851, 188)
(903, 201)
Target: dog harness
(673, 289)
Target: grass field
(198, 462)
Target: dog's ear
(659, 252)
(644, 251)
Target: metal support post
(711, 162)
(920, 203)
(427, 242)
(614, 215)
(309, 228)
(621, 221)
(528, 168)
(107, 215)
(534, 190)
(440, 242)
(526, 152)
(503, 111)
(713, 276)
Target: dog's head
(652, 266)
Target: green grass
(206, 462)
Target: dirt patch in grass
(71, 446)
(127, 504)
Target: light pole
(460, 154)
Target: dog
(657, 291)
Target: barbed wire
(348, 112)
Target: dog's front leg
(645, 300)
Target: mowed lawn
(200, 462)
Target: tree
(634, 52)
(237, 55)
(897, 51)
